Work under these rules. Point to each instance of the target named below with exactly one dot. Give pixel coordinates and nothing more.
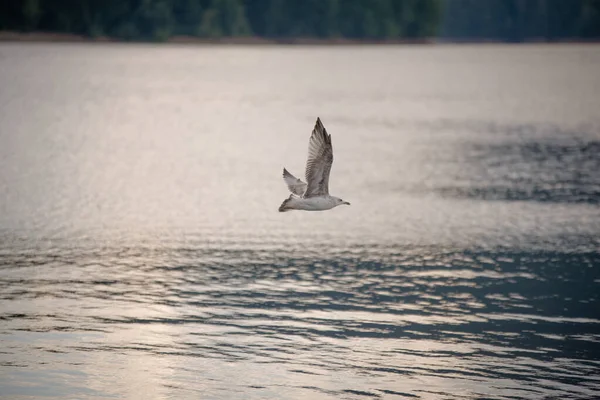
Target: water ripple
(426, 316)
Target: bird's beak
(346, 203)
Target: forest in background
(159, 20)
(521, 20)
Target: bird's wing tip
(319, 127)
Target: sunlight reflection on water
(141, 253)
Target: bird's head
(339, 202)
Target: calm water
(142, 254)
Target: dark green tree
(32, 12)
(187, 15)
(153, 19)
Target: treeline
(504, 20)
(161, 19)
(521, 20)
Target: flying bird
(313, 195)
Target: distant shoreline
(51, 37)
(10, 36)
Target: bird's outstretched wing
(318, 165)
(295, 185)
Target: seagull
(314, 195)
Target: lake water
(142, 254)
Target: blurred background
(141, 153)
(447, 20)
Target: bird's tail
(285, 205)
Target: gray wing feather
(320, 158)
(295, 185)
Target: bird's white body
(313, 195)
(319, 203)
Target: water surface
(142, 254)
